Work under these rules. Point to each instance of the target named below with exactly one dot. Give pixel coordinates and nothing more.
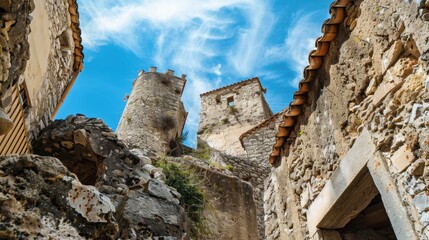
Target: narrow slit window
(230, 102)
(23, 96)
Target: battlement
(169, 72)
(165, 78)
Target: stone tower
(229, 111)
(154, 116)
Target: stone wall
(39, 57)
(257, 142)
(372, 79)
(228, 112)
(252, 172)
(231, 208)
(15, 27)
(50, 68)
(154, 115)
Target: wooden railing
(16, 140)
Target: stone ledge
(348, 171)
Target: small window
(23, 96)
(230, 102)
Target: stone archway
(361, 177)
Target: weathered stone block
(80, 137)
(402, 158)
(421, 201)
(390, 57)
(385, 88)
(163, 218)
(372, 86)
(89, 202)
(159, 190)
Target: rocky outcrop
(40, 198)
(82, 144)
(145, 207)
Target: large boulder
(81, 143)
(41, 199)
(145, 206)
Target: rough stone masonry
(362, 133)
(154, 115)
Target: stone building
(257, 141)
(350, 159)
(228, 112)
(40, 59)
(154, 116)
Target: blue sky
(214, 42)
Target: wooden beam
(327, 235)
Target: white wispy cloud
(188, 36)
(249, 49)
(299, 41)
(217, 70)
(209, 40)
(121, 21)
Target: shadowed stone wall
(258, 143)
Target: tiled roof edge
(330, 30)
(75, 26)
(261, 125)
(233, 85)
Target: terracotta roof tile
(78, 51)
(290, 115)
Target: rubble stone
(125, 176)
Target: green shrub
(228, 167)
(186, 182)
(203, 151)
(165, 122)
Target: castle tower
(154, 115)
(229, 111)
